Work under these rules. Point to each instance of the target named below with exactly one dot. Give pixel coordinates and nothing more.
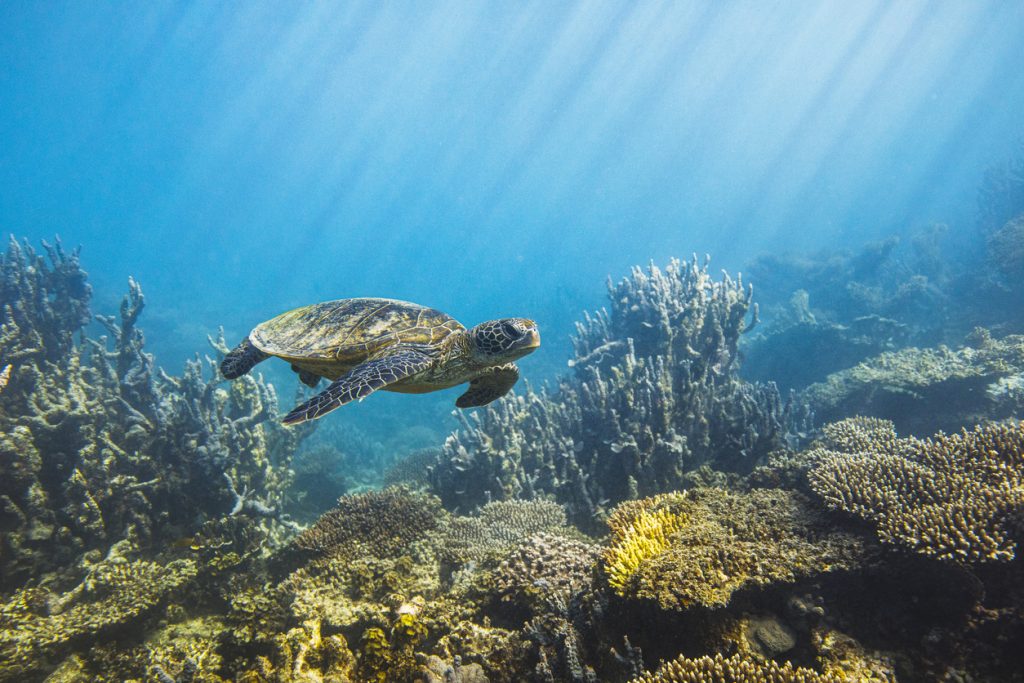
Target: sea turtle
(362, 345)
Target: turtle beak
(531, 340)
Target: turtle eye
(510, 330)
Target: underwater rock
(925, 390)
(698, 547)
(952, 497)
(654, 394)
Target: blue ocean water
(487, 159)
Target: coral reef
(97, 445)
(653, 395)
(925, 390)
(497, 526)
(1006, 246)
(952, 497)
(375, 522)
(114, 593)
(146, 528)
(698, 547)
(734, 669)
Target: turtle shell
(346, 331)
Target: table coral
(952, 497)
(699, 547)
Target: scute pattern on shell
(347, 330)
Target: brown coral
(547, 567)
(114, 593)
(734, 669)
(498, 526)
(952, 497)
(377, 523)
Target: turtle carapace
(363, 345)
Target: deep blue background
(489, 159)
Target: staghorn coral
(734, 669)
(98, 445)
(925, 390)
(952, 497)
(699, 547)
(654, 394)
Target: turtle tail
(241, 360)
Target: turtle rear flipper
(241, 360)
(490, 386)
(360, 382)
(310, 379)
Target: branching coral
(734, 669)
(952, 497)
(654, 394)
(699, 547)
(98, 445)
(640, 531)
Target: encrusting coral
(115, 592)
(925, 390)
(953, 497)
(698, 547)
(654, 394)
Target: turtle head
(501, 341)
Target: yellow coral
(637, 537)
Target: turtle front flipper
(494, 384)
(241, 360)
(360, 382)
